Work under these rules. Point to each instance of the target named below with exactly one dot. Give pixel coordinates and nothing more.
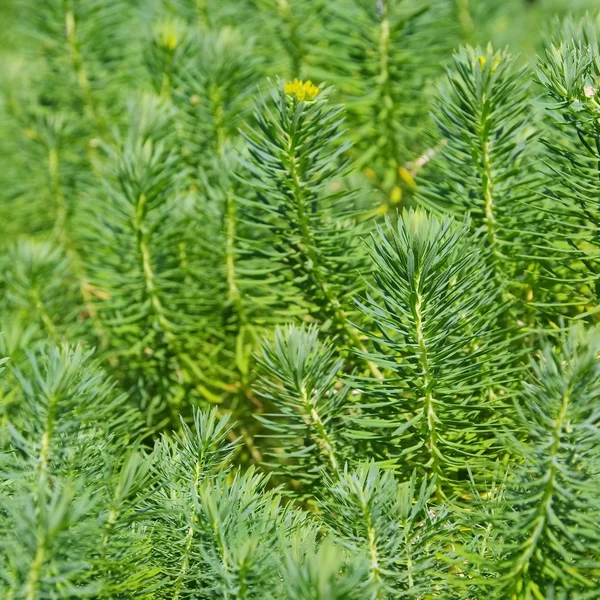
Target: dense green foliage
(262, 338)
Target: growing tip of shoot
(301, 90)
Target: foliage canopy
(299, 299)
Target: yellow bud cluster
(168, 35)
(301, 90)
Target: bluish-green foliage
(299, 300)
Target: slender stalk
(31, 591)
(372, 548)
(374, 558)
(384, 82)
(146, 263)
(161, 322)
(308, 248)
(60, 224)
(543, 511)
(431, 417)
(322, 439)
(74, 48)
(40, 307)
(31, 588)
(464, 17)
(233, 292)
(294, 46)
(223, 550)
(61, 232)
(488, 197)
(189, 538)
(409, 560)
(203, 13)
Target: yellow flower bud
(407, 178)
(301, 90)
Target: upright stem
(488, 197)
(223, 550)
(60, 224)
(40, 307)
(431, 417)
(543, 511)
(77, 62)
(203, 13)
(308, 247)
(233, 292)
(322, 439)
(464, 18)
(146, 263)
(386, 105)
(372, 549)
(294, 45)
(31, 589)
(384, 46)
(35, 571)
(189, 538)
(409, 561)
(62, 234)
(161, 322)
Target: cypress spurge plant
(67, 482)
(149, 296)
(86, 48)
(544, 523)
(300, 380)
(316, 569)
(484, 116)
(381, 56)
(294, 27)
(293, 166)
(40, 289)
(221, 523)
(568, 247)
(387, 522)
(225, 375)
(208, 78)
(433, 323)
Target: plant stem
(189, 538)
(77, 62)
(308, 248)
(544, 506)
(431, 417)
(322, 439)
(35, 571)
(294, 46)
(61, 232)
(161, 322)
(43, 313)
(488, 197)
(372, 548)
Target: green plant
(271, 338)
